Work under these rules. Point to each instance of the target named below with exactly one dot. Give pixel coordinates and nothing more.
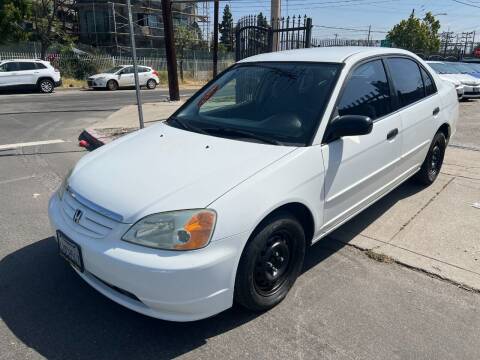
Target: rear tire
(270, 263)
(112, 85)
(46, 86)
(432, 164)
(151, 84)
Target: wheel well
(445, 129)
(44, 78)
(303, 215)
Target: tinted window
(26, 66)
(12, 66)
(407, 80)
(367, 92)
(428, 82)
(128, 70)
(40, 66)
(268, 101)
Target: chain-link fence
(82, 66)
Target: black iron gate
(252, 38)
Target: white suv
(29, 73)
(123, 76)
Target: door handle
(392, 133)
(436, 111)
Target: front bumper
(170, 285)
(58, 83)
(94, 83)
(471, 92)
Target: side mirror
(348, 125)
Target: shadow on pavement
(50, 309)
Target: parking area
(345, 305)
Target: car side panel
(359, 169)
(296, 178)
(419, 126)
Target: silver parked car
(123, 76)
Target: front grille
(472, 93)
(90, 222)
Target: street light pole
(135, 67)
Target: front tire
(432, 164)
(112, 85)
(151, 84)
(46, 86)
(270, 263)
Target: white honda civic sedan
(220, 203)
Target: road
(344, 305)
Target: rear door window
(40, 66)
(407, 80)
(367, 92)
(23, 66)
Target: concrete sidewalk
(434, 229)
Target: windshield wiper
(245, 134)
(186, 126)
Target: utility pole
(447, 36)
(275, 12)
(215, 37)
(170, 50)
(135, 67)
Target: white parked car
(123, 76)
(450, 73)
(221, 202)
(26, 73)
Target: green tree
(47, 27)
(13, 14)
(185, 38)
(416, 34)
(226, 30)
(261, 36)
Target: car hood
(463, 78)
(96, 76)
(163, 168)
(450, 79)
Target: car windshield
(462, 68)
(113, 70)
(444, 68)
(277, 102)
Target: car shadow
(53, 311)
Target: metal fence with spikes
(253, 35)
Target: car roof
(25, 60)
(334, 54)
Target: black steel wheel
(112, 85)
(270, 262)
(432, 164)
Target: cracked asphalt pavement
(345, 305)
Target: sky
(355, 16)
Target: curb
(92, 139)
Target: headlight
(175, 230)
(102, 78)
(63, 185)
